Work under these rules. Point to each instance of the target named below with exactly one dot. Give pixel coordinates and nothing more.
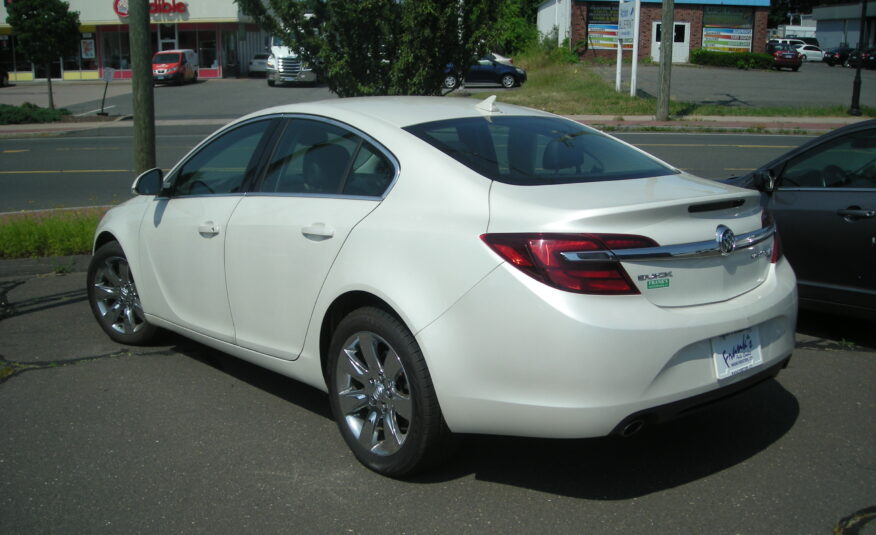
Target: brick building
(720, 25)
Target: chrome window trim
(313, 195)
(682, 250)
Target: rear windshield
(533, 151)
(166, 58)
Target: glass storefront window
(115, 50)
(9, 60)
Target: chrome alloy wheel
(374, 395)
(116, 297)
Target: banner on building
(728, 28)
(602, 27)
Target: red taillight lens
(541, 257)
(766, 219)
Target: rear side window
(532, 151)
(319, 158)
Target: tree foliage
(381, 47)
(45, 29)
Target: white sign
(108, 73)
(626, 28)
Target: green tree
(45, 30)
(381, 47)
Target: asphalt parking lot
(103, 438)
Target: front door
(680, 42)
(183, 236)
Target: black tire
(4, 80)
(450, 82)
(508, 81)
(380, 390)
(114, 299)
(270, 83)
(795, 69)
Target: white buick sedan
(442, 266)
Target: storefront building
(840, 24)
(222, 36)
(718, 25)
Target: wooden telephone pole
(141, 85)
(667, 34)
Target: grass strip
(569, 88)
(48, 233)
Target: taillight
(766, 219)
(541, 257)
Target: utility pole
(856, 85)
(141, 85)
(667, 33)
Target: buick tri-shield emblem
(726, 239)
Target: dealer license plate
(736, 352)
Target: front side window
(224, 164)
(531, 151)
(845, 162)
(319, 158)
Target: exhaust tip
(632, 428)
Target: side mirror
(765, 181)
(148, 183)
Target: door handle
(208, 228)
(854, 212)
(318, 231)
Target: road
(94, 167)
(179, 438)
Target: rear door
(321, 180)
(825, 207)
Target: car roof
(398, 111)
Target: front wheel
(270, 83)
(382, 396)
(508, 81)
(114, 299)
(450, 81)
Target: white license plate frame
(735, 352)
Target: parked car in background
(442, 265)
(836, 56)
(175, 67)
(810, 52)
(499, 58)
(823, 198)
(786, 41)
(785, 56)
(258, 65)
(4, 78)
(810, 41)
(865, 58)
(486, 72)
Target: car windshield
(532, 151)
(276, 41)
(165, 58)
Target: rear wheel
(450, 81)
(114, 299)
(382, 396)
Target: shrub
(29, 113)
(740, 60)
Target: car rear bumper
(546, 363)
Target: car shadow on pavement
(659, 458)
(290, 390)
